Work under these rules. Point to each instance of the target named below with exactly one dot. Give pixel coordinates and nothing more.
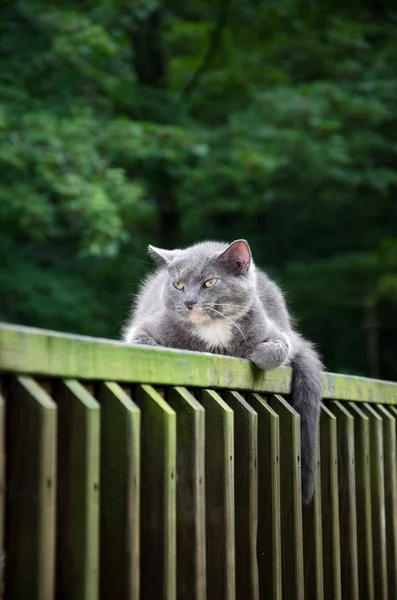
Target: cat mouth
(204, 315)
(196, 315)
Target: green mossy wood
(78, 492)
(38, 352)
(347, 500)
(120, 494)
(158, 495)
(31, 491)
(219, 496)
(2, 480)
(190, 493)
(313, 541)
(330, 505)
(363, 495)
(269, 510)
(378, 501)
(390, 468)
(291, 498)
(246, 494)
(189, 490)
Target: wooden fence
(142, 473)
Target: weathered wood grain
(330, 505)
(347, 501)
(269, 509)
(390, 468)
(158, 495)
(120, 494)
(363, 494)
(219, 494)
(246, 495)
(378, 502)
(77, 572)
(190, 487)
(31, 483)
(40, 352)
(290, 499)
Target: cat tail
(306, 392)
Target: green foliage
(128, 123)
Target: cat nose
(190, 303)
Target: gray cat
(211, 298)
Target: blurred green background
(124, 123)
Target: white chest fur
(215, 334)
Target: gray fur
(243, 314)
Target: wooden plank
(269, 510)
(291, 499)
(330, 505)
(78, 493)
(246, 495)
(313, 541)
(2, 487)
(120, 494)
(41, 352)
(158, 495)
(219, 495)
(377, 501)
(363, 495)
(190, 490)
(347, 501)
(390, 467)
(31, 483)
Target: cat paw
(146, 341)
(143, 339)
(271, 354)
(137, 335)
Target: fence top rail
(26, 350)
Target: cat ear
(162, 257)
(237, 257)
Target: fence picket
(119, 496)
(269, 519)
(31, 483)
(377, 501)
(290, 499)
(246, 494)
(190, 487)
(158, 495)
(2, 486)
(313, 541)
(330, 505)
(347, 501)
(219, 496)
(78, 492)
(363, 506)
(390, 466)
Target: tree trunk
(147, 45)
(151, 71)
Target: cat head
(208, 281)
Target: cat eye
(210, 282)
(179, 285)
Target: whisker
(237, 306)
(225, 317)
